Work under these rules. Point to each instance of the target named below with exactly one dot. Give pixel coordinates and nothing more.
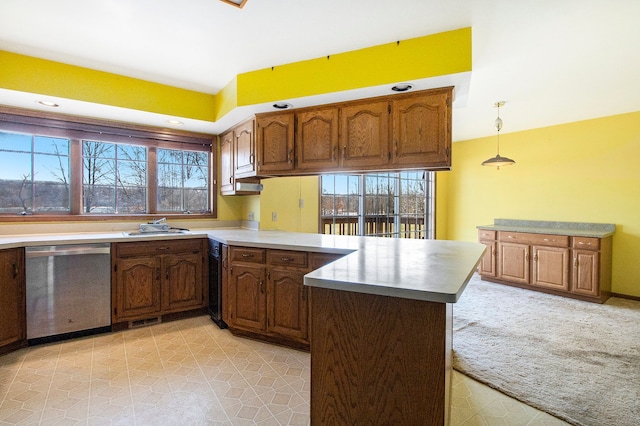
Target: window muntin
(183, 181)
(34, 176)
(379, 204)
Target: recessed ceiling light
(49, 104)
(282, 105)
(402, 87)
(175, 122)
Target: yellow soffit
(429, 61)
(405, 60)
(34, 75)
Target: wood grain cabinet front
(13, 330)
(275, 143)
(578, 267)
(265, 293)
(155, 278)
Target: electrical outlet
(301, 203)
(274, 216)
(251, 216)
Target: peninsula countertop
(429, 270)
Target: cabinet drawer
(483, 234)
(534, 239)
(298, 259)
(248, 254)
(586, 243)
(144, 248)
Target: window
(399, 205)
(62, 168)
(34, 176)
(114, 178)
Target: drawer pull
(247, 255)
(286, 259)
(164, 248)
(583, 243)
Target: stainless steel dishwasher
(68, 291)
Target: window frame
(359, 227)
(77, 129)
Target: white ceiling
(552, 61)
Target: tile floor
(189, 372)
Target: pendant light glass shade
(498, 161)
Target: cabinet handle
(333, 154)
(262, 287)
(251, 158)
(290, 157)
(230, 180)
(535, 257)
(344, 152)
(247, 255)
(165, 248)
(286, 259)
(157, 274)
(167, 275)
(15, 270)
(395, 151)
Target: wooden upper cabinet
(317, 139)
(421, 126)
(364, 137)
(244, 154)
(274, 142)
(226, 163)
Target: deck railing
(378, 225)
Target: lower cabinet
(265, 293)
(578, 267)
(13, 330)
(154, 278)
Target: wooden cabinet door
(274, 142)
(137, 287)
(550, 267)
(364, 135)
(182, 282)
(244, 147)
(226, 163)
(12, 293)
(317, 139)
(287, 304)
(513, 262)
(247, 297)
(586, 272)
(421, 130)
(487, 266)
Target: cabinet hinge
(389, 155)
(115, 268)
(389, 108)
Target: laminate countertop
(428, 270)
(573, 229)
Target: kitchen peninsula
(380, 318)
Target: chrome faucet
(159, 221)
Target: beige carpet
(577, 360)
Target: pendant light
(498, 161)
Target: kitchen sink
(167, 232)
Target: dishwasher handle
(66, 250)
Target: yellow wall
(282, 195)
(578, 172)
